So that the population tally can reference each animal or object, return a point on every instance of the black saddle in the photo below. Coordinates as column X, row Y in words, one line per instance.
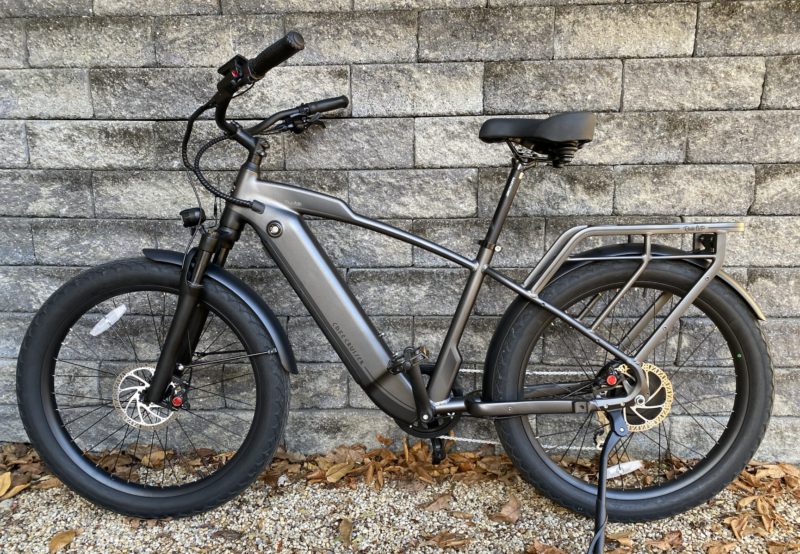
column 559, row 136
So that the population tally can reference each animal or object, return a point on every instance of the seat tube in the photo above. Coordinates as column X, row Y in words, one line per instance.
column 512, row 184
column 449, row 361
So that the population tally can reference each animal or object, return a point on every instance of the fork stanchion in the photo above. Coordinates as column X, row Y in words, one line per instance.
column 618, row 430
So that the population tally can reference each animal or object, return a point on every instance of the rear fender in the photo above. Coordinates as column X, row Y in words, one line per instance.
column 246, row 294
column 611, row 251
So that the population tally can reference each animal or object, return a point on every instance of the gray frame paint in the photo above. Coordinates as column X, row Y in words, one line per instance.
column 339, row 315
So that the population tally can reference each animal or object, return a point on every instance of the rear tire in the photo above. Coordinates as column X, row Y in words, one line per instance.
column 749, row 371
column 203, row 472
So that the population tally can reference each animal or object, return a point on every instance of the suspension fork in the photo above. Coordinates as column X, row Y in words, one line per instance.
column 188, row 321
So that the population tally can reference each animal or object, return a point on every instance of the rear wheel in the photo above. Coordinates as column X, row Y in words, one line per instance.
column 81, row 388
column 702, row 421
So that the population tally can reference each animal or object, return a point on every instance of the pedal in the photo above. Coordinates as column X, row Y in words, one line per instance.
column 437, row 452
column 403, row 361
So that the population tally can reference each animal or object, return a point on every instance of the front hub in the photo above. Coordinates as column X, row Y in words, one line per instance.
column 129, row 400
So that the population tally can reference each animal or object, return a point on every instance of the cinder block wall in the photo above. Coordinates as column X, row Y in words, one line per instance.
column 698, row 120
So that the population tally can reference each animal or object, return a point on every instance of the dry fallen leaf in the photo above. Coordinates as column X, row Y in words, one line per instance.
column 5, row 483
column 623, row 539
column 48, row 483
column 791, row 481
column 439, row 504
column 346, row 532
column 509, row 513
column 719, row 547
column 383, row 440
column 668, row 541
column 60, row 540
column 738, row 524
column 336, row 472
column 14, row 491
column 461, row 515
column 539, row 548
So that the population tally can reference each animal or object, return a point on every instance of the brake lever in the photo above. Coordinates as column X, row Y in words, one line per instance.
column 301, row 122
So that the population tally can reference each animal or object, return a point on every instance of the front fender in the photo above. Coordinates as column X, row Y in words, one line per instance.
column 248, row 296
column 611, row 251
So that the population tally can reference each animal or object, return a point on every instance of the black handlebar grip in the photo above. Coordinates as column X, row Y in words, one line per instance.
column 276, row 53
column 327, row 105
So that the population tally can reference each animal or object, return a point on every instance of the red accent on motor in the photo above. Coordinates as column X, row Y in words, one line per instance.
column 611, row 380
column 235, row 73
column 177, row 401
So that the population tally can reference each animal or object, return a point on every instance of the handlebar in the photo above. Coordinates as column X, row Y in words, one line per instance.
column 327, row 105
column 276, row 53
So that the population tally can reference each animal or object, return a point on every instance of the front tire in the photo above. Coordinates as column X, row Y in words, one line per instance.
column 723, row 391
column 76, row 393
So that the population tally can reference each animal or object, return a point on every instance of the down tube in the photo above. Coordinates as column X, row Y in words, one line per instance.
column 341, row 318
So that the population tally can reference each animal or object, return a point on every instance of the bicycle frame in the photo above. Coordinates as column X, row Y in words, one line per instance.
column 289, row 241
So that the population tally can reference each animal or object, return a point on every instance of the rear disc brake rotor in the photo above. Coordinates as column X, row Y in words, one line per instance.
column 647, row 412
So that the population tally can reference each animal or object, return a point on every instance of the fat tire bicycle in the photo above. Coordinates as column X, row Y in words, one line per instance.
column 159, row 386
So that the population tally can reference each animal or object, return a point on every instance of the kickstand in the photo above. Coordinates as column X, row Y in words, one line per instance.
column 438, row 453
column 618, row 430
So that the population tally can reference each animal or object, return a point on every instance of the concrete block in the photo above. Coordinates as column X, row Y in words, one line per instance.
column 748, row 28
column 168, row 136
column 407, row 291
column 90, row 42
column 684, row 189
column 155, row 7
column 777, row 291
column 355, row 37
column 317, row 431
column 398, row 90
column 636, row 138
column 332, row 183
column 546, row 191
column 414, row 193
column 210, row 41
column 780, row 85
column 25, row 289
column 481, row 34
column 281, row 6
column 351, row 246
column 46, row 193
column 749, row 137
column 140, row 93
column 91, row 144
column 629, row 31
column 777, row 192
column 353, row 144
column 694, row 84
column 13, row 144
column 12, row 43
column 320, row 386
column 51, row 8
column 288, row 87
column 12, row 330
column 16, row 242
column 553, row 86
column 522, row 240
column 90, row 242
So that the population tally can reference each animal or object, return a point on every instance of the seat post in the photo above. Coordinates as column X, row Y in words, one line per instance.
column 512, row 184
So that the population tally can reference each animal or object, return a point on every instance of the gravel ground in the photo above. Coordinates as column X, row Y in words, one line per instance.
column 296, row 517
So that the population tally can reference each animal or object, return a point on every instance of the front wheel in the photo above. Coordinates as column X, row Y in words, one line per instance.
column 710, row 381
column 86, row 361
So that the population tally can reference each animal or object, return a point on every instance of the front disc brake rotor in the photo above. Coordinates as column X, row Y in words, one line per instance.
column 128, row 398
column 646, row 413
